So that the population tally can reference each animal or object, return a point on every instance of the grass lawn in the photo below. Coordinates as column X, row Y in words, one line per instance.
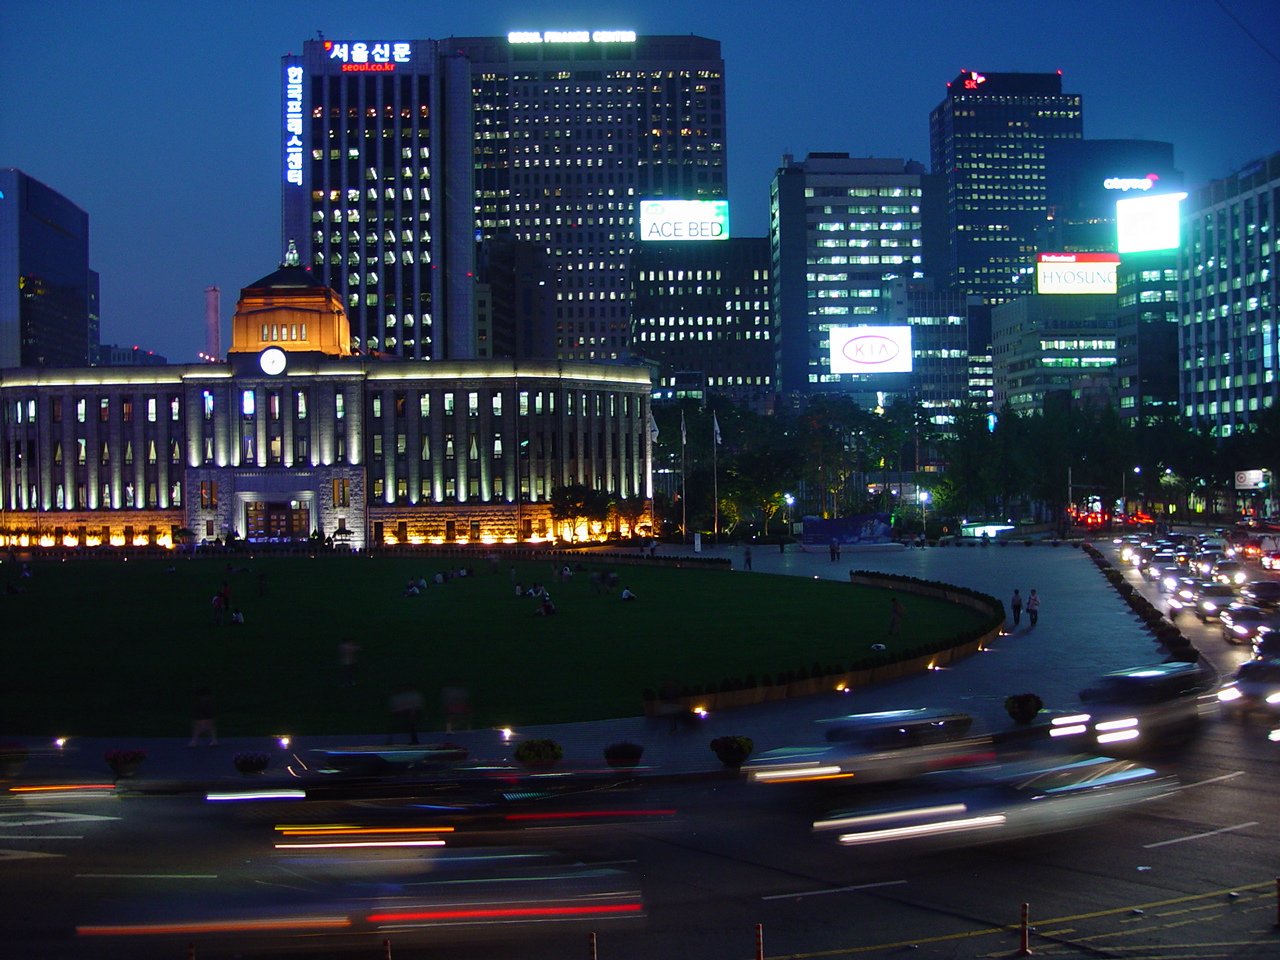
column 112, row 648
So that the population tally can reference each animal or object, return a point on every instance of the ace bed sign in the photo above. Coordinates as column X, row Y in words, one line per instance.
column 684, row 220
column 871, row 349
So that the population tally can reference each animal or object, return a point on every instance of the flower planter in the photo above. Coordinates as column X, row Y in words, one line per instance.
column 732, row 751
column 125, row 763
column 251, row 764
column 623, row 756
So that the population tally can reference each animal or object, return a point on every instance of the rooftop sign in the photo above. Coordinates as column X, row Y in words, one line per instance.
column 684, row 220
column 1076, row 272
column 572, row 36
column 871, row 349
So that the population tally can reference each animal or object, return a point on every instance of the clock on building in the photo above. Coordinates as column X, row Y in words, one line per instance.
column 272, row 361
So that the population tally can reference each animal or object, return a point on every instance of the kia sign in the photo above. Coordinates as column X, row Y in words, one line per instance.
column 1148, row 223
column 1076, row 272
column 870, row 349
column 684, row 220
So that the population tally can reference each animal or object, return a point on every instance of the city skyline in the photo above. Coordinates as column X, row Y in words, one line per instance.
column 162, row 124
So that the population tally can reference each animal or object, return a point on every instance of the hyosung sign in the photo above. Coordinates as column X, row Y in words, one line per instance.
column 1076, row 272
column 684, row 220
column 871, row 349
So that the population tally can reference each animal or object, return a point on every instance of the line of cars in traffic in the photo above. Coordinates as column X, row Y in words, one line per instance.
column 1210, row 577
column 928, row 777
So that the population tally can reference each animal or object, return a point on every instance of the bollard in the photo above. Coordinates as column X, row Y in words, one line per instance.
column 591, row 942
column 759, row 941
column 386, row 946
column 1024, row 945
column 191, row 948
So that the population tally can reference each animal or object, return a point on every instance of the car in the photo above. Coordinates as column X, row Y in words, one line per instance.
column 1182, row 596
column 1230, row 571
column 1241, row 622
column 1270, row 560
column 1160, row 558
column 1262, row 593
column 1255, row 688
column 877, row 747
column 1211, row 597
column 1205, row 560
column 1148, row 705
column 1165, row 576
column 1025, row 798
column 1266, row 644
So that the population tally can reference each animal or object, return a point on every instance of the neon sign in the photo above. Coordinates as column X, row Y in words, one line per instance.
column 684, row 219
column 293, row 125
column 973, row 79
column 376, row 57
column 572, row 36
column 1076, row 272
column 1130, row 183
column 870, row 350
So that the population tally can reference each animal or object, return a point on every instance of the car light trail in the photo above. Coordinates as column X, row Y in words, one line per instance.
column 505, row 913
column 924, row 830
column 587, row 814
column 215, row 926
column 869, row 818
column 257, row 795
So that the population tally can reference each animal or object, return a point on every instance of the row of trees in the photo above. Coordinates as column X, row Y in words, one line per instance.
column 837, row 459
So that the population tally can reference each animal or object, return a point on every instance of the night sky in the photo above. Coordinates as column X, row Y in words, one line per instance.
column 161, row 120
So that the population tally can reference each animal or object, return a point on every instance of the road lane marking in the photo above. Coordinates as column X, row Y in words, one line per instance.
column 818, row 893
column 1202, row 783
column 1200, row 836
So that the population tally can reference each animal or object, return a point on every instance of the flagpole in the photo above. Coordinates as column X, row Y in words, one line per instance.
column 684, row 500
column 715, row 478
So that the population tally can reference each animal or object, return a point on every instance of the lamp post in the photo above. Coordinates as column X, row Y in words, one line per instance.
column 1124, row 497
column 924, row 511
column 790, row 502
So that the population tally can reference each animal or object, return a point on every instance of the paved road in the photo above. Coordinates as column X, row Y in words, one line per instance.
column 1187, row 877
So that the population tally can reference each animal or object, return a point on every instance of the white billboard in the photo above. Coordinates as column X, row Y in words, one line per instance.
column 1076, row 272
column 1148, row 223
column 871, row 349
column 684, row 220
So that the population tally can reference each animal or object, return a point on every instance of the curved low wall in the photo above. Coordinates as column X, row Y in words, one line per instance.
column 749, row 696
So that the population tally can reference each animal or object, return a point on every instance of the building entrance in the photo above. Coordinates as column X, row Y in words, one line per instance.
column 272, row 521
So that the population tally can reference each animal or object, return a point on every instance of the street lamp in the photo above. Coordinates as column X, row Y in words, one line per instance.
column 924, row 511
column 790, row 502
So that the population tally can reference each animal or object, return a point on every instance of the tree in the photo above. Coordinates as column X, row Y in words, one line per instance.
column 574, row 503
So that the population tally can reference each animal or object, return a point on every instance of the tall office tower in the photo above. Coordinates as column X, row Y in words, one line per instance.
column 1230, row 337
column 400, row 156
column 703, row 316
column 1085, row 179
column 46, row 286
column 989, row 138
column 842, row 230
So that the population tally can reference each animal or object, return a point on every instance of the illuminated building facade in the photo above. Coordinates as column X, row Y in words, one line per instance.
column 1229, row 340
column 989, row 141
column 842, row 231
column 1045, row 345
column 48, row 294
column 294, row 437
column 703, row 316
column 1085, row 179
column 399, row 157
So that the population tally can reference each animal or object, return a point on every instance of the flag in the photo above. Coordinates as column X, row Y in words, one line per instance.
column 684, row 438
column 653, row 428
column 715, row 428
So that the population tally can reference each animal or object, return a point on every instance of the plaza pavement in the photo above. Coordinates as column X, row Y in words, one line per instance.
column 1085, row 629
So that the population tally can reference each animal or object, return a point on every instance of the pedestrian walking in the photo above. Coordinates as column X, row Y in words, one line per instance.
column 1016, row 606
column 746, row 559
column 896, row 611
column 203, row 722
column 1033, row 607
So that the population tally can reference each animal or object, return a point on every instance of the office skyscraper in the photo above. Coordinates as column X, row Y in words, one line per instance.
column 988, row 140
column 846, row 236
column 401, row 157
column 47, row 291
